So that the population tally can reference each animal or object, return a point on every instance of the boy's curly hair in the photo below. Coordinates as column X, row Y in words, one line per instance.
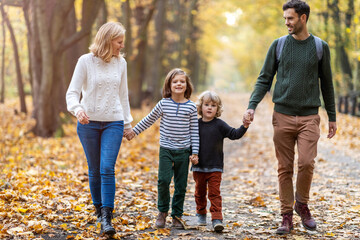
column 209, row 96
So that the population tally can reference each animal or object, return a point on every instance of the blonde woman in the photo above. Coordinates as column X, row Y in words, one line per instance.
column 102, row 113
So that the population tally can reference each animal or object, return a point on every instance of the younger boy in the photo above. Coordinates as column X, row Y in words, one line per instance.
column 207, row 170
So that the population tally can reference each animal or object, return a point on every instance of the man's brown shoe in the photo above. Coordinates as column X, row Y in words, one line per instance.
column 176, row 224
column 307, row 221
column 286, row 225
column 161, row 220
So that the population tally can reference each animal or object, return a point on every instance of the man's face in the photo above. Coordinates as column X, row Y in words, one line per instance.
column 294, row 23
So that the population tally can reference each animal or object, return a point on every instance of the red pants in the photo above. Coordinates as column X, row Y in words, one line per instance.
column 211, row 181
column 304, row 132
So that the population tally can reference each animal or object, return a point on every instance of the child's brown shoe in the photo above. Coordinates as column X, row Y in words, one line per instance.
column 161, row 220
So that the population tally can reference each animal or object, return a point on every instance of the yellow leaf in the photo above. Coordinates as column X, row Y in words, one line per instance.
column 77, row 208
column 322, row 198
column 64, row 226
column 236, row 224
column 22, row 210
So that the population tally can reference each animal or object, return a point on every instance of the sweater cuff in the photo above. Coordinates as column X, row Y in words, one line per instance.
column 77, row 110
column 332, row 118
column 252, row 106
column 127, row 126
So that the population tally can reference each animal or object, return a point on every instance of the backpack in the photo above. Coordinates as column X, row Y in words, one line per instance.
column 281, row 42
column 280, row 46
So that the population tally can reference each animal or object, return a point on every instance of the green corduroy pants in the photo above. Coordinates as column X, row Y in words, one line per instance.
column 173, row 163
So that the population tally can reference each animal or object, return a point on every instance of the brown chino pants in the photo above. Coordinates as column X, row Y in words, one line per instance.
column 288, row 131
column 212, row 182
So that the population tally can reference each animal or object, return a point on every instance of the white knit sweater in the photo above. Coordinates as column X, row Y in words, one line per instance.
column 103, row 87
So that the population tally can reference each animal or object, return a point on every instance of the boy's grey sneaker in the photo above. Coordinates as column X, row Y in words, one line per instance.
column 217, row 225
column 201, row 219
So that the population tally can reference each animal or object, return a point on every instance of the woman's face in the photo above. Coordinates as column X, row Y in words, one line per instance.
column 117, row 45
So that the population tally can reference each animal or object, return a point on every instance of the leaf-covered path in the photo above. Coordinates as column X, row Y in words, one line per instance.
column 44, row 191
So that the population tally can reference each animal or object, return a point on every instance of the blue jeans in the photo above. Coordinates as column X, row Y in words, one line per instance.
column 101, row 142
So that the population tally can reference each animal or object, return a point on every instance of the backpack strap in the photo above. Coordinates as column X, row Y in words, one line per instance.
column 280, row 46
column 319, row 47
column 281, row 42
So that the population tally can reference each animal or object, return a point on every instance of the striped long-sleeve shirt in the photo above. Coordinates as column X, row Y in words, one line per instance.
column 178, row 126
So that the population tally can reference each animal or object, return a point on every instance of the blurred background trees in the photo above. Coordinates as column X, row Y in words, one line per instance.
column 221, row 44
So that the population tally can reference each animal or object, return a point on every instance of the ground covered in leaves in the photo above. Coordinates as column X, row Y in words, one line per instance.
column 44, row 191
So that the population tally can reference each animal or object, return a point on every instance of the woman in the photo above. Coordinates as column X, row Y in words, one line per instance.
column 103, row 113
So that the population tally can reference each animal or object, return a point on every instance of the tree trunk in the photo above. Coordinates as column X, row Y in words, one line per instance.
column 69, row 58
column 157, row 58
column 193, row 58
column 341, row 57
column 2, row 93
column 103, row 15
column 20, row 85
column 126, row 21
column 139, row 63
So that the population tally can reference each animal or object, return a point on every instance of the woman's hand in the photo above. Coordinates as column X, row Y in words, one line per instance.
column 129, row 134
column 82, row 117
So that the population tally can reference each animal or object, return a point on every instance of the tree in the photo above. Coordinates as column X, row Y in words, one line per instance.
column 20, row 85
column 143, row 14
column 2, row 91
column 341, row 56
column 47, row 44
column 157, row 58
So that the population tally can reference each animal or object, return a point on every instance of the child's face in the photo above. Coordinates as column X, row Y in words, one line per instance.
column 178, row 85
column 209, row 110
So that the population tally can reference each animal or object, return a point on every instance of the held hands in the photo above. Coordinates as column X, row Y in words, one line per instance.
column 194, row 158
column 129, row 134
column 248, row 117
column 82, row 117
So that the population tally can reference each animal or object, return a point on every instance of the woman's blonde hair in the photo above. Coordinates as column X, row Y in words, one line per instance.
column 166, row 92
column 102, row 46
column 209, row 96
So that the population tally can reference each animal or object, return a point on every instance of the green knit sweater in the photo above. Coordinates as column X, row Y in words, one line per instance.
column 297, row 88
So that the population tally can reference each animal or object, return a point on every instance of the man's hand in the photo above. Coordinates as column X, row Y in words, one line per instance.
column 332, row 129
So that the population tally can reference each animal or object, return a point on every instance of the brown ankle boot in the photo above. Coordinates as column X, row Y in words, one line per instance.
column 307, row 221
column 176, row 223
column 286, row 225
column 161, row 220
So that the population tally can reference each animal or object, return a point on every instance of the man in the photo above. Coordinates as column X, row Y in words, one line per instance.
column 295, row 118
